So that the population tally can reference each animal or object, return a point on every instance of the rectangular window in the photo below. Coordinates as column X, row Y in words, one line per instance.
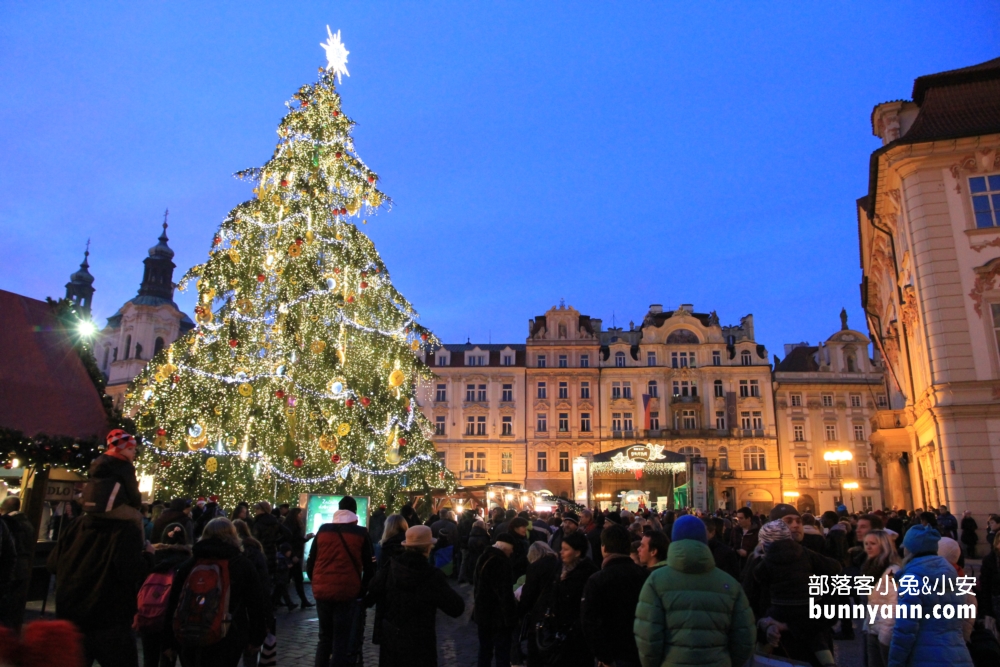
column 563, row 390
column 470, row 425
column 716, row 358
column 745, row 420
column 563, row 361
column 720, row 420
column 831, row 431
column 859, row 432
column 855, row 400
column 543, row 462
column 799, row 433
column 620, row 359
column 542, row 423
column 758, row 421
column 443, row 458
column 616, row 421
column 441, row 395
column 827, row 400
column 654, row 421
column 481, row 425
column 480, row 461
column 584, row 390
column 508, row 360
column 653, row 389
column 507, row 425
column 744, row 388
column 835, row 469
column 616, row 390
column 863, row 469
column 795, row 400
column 718, row 389
column 866, row 504
column 541, row 361
column 507, row 393
column 507, row 463
column 627, row 421
column 470, row 393
column 626, row 389
column 584, row 361
column 542, row 391
column 563, row 461
column 688, row 419
column 985, row 191
column 651, row 358
column 585, row 422
column 802, row 470
column 755, row 388
column 442, row 360
column 481, row 393
column 682, row 359
column 470, row 461
column 564, row 422
column 881, row 401
column 439, row 424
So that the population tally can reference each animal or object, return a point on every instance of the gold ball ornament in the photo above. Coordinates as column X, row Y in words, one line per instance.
column 294, row 250
column 233, row 255
column 318, row 346
column 212, row 464
column 328, row 443
column 194, row 444
column 415, row 346
column 397, row 378
column 245, row 389
column 244, row 306
column 343, row 429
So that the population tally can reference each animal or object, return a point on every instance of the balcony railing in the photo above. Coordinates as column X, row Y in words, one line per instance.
column 685, row 399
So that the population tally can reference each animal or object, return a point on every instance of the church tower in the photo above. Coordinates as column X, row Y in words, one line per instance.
column 158, row 276
column 80, row 288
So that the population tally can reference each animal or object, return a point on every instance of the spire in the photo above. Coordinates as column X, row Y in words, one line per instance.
column 158, row 276
column 80, row 288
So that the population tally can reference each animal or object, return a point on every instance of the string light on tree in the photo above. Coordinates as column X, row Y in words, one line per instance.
column 301, row 373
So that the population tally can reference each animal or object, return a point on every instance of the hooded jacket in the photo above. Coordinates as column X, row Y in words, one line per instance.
column 928, row 641
column 391, row 548
column 272, row 535
column 341, row 562
column 107, row 467
column 169, row 516
column 564, row 599
column 410, row 591
column 692, row 613
column 493, row 594
column 608, row 608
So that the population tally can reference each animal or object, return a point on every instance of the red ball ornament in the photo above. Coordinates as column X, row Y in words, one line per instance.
column 343, row 211
column 336, row 113
column 350, row 299
column 371, row 179
column 164, row 463
column 298, row 463
column 402, row 442
column 349, row 402
column 261, row 277
column 161, row 431
column 423, row 336
column 336, row 269
column 216, row 241
column 335, row 458
column 176, row 379
column 305, row 103
column 298, row 241
column 364, row 285
column 233, row 342
column 279, row 394
column 365, row 401
column 378, row 270
column 337, row 155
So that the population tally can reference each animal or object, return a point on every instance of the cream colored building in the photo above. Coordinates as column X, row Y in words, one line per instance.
column 825, row 397
column 930, row 254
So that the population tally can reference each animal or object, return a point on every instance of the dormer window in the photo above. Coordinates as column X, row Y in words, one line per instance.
column 745, row 358
column 620, row 359
column 507, row 360
column 475, row 360
column 442, row 360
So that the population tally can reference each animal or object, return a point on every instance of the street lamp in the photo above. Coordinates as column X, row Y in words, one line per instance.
column 838, row 456
column 850, row 486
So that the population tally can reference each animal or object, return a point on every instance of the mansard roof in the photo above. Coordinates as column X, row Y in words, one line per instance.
column 801, row 359
column 456, row 358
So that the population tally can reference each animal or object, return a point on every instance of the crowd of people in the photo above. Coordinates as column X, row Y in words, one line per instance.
column 203, row 585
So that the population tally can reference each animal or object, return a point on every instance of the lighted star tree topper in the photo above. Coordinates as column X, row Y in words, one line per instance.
column 301, row 372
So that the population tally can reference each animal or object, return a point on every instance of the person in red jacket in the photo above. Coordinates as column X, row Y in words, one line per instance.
column 341, row 564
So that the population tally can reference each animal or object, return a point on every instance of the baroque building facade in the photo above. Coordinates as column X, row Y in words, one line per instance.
column 929, row 232
column 825, row 398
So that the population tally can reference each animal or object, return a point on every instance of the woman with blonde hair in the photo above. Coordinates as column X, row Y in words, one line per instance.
column 881, row 564
column 220, row 541
column 392, row 539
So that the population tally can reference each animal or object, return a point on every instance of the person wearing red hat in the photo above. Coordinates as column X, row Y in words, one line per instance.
column 112, row 491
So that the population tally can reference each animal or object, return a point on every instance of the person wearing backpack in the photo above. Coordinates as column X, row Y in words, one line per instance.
column 151, row 616
column 341, row 564
column 216, row 606
column 112, row 489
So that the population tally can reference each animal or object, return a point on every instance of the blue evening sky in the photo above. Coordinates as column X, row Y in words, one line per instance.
column 612, row 154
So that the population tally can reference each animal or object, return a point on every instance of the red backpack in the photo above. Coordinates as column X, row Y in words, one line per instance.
column 202, row 617
column 153, row 597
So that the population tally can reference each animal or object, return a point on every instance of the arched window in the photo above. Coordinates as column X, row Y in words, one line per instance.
column 652, row 389
column 138, row 351
column 753, row 458
column 745, row 358
column 158, row 346
column 689, row 451
column 723, row 458
column 620, row 359
column 107, row 353
column 851, row 364
column 128, row 345
column 682, row 337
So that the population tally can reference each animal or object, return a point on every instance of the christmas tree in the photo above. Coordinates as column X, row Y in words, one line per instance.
column 301, row 373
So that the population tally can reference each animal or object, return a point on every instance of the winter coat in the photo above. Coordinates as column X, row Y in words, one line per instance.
column 410, row 591
column 989, row 584
column 99, row 565
column 336, row 554
column 465, row 528
column 107, row 467
column 969, row 536
column 519, row 559
column 296, row 539
column 781, row 577
column 883, row 592
column 725, row 558
column 692, row 613
column 493, row 591
column 272, row 535
column 608, row 607
column 246, row 601
column 24, row 536
column 168, row 557
column 928, row 641
column 376, row 526
column 557, row 540
column 564, row 599
column 391, row 548
column 948, row 525
column 8, row 558
column 814, row 540
column 169, row 516
column 540, row 577
column 479, row 541
column 443, row 528
column 744, row 540
column 836, row 545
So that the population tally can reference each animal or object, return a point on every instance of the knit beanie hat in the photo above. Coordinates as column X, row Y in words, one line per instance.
column 949, row 549
column 689, row 527
column 773, row 531
column 119, row 439
column 921, row 540
column 348, row 503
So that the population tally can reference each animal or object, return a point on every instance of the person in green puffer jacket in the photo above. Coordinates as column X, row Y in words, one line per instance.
column 690, row 612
